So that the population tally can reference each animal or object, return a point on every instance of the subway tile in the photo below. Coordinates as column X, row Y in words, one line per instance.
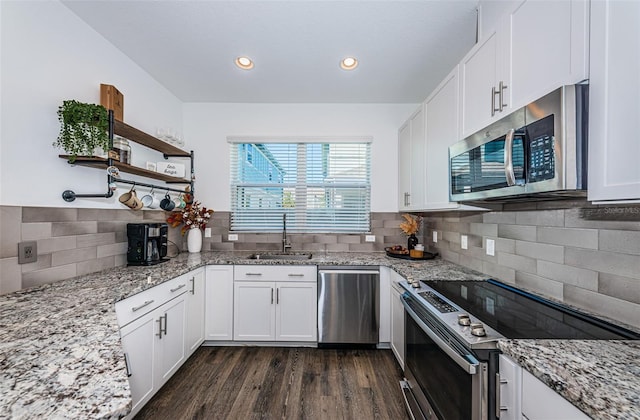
column 95, row 239
column 72, row 256
column 121, row 237
column 617, row 310
column 517, row 262
column 314, row 247
column 499, row 217
column 158, row 216
column 586, row 279
column 47, row 246
column 48, row 214
column 392, row 223
column 451, row 256
column 574, row 218
column 541, row 285
column 524, row 233
column 366, row 247
column 604, row 262
column 111, row 249
column 10, row 230
column 223, row 246
column 505, row 274
column 120, row 260
column 35, row 231
column 49, row 275
column 505, row 245
column 268, row 246
column 92, row 266
column 581, row 238
column 349, row 239
column 472, row 217
column 10, row 275
column 112, row 226
column 325, row 239
column 625, row 242
column 470, row 262
column 484, row 229
column 337, row 247
column 73, row 228
column 451, row 237
column 540, row 251
column 541, row 218
column 44, row 261
column 620, row 287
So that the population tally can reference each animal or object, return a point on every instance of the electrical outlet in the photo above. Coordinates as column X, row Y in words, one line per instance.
column 233, row 236
column 491, row 247
column 464, row 242
column 370, row 238
column 27, row 252
column 435, row 236
column 207, row 232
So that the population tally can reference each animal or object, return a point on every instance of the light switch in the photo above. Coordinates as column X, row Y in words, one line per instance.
column 233, row 236
column 464, row 243
column 370, row 238
column 435, row 236
column 491, row 247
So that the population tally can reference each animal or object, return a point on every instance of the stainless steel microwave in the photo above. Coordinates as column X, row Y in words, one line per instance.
column 537, row 152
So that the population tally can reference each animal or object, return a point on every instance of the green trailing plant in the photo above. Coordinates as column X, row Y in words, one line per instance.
column 83, row 128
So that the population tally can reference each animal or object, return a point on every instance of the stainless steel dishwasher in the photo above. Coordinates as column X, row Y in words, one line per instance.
column 348, row 305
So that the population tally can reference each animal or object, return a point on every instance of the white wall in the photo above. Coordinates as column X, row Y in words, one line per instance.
column 48, row 55
column 208, row 125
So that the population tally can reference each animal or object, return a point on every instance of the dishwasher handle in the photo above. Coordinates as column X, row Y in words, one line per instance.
column 348, row 272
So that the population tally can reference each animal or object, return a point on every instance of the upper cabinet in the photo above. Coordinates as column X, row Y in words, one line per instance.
column 411, row 162
column 614, row 104
column 537, row 47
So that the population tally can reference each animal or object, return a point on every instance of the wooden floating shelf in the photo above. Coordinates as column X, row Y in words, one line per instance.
column 101, row 163
column 140, row 137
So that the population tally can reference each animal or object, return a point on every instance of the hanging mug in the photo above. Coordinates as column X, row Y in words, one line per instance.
column 167, row 204
column 131, row 200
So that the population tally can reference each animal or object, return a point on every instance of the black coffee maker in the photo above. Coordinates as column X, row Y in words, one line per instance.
column 147, row 243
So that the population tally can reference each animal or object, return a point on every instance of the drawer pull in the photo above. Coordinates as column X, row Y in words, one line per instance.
column 175, row 289
column 137, row 308
column 127, row 365
column 253, row 274
column 296, row 275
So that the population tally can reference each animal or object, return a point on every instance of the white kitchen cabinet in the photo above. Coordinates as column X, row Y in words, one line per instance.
column 397, row 318
column 614, row 102
column 539, row 402
column 510, row 389
column 538, row 46
column 195, row 316
column 219, row 303
column 384, row 331
column 411, row 162
column 275, row 303
column 171, row 342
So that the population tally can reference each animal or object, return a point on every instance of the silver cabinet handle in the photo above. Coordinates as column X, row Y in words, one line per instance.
column 253, row 274
column 146, row 303
column 272, row 295
column 508, row 158
column 493, row 101
column 160, row 329
column 295, row 275
column 165, row 324
column 127, row 365
column 499, row 408
column 175, row 289
column 277, row 295
column 193, row 285
column 501, row 88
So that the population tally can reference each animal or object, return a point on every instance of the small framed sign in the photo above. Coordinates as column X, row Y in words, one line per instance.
column 171, row 169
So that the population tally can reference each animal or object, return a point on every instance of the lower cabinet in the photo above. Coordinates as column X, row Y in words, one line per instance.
column 195, row 318
column 279, row 305
column 397, row 319
column 219, row 303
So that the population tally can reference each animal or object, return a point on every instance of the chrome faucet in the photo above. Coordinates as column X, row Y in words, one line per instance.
column 285, row 242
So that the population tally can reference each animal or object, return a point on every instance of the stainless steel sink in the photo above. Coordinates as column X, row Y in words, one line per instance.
column 280, row 256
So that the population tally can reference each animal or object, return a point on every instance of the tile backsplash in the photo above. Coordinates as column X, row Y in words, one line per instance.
column 73, row 242
column 574, row 252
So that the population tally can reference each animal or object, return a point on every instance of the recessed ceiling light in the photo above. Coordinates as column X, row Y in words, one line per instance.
column 349, row 63
column 244, row 63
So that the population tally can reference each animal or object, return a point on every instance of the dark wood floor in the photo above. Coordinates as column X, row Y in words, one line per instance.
column 281, row 383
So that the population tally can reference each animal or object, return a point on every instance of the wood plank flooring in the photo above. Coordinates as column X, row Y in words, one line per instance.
column 281, row 383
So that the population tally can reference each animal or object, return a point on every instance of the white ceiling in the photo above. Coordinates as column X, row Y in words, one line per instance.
column 404, row 47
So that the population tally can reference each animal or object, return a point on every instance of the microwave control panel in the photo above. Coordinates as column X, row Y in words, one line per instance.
column 541, row 159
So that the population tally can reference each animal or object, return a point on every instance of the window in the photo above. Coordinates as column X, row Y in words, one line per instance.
column 321, row 187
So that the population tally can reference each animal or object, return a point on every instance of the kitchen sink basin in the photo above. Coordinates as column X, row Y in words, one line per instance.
column 280, row 256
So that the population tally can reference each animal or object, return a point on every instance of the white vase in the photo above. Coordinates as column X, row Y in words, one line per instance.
column 194, row 240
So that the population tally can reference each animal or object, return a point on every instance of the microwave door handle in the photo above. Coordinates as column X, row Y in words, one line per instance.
column 508, row 158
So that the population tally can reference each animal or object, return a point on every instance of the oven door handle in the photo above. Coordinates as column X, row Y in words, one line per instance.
column 470, row 368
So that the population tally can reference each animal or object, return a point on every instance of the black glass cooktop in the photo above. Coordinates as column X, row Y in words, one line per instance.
column 518, row 314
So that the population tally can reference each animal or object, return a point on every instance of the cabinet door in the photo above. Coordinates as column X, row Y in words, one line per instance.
column 614, row 107
column 479, row 70
column 384, row 333
column 219, row 303
column 195, row 311
column 397, row 325
column 138, row 339
column 510, row 391
column 170, row 345
column 418, row 177
column 296, row 311
column 404, row 166
column 539, row 402
column 254, row 311
column 548, row 47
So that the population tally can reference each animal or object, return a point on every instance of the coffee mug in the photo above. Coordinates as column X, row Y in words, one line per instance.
column 131, row 200
column 150, row 201
column 167, row 204
column 179, row 202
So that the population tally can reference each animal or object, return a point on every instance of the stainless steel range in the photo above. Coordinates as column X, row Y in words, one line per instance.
column 451, row 334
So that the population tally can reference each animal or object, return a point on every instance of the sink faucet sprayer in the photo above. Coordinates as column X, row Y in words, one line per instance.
column 285, row 242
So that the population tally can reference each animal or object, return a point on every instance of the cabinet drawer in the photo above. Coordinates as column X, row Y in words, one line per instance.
column 275, row 273
column 133, row 307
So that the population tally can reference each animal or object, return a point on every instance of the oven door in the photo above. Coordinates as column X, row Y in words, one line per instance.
column 447, row 382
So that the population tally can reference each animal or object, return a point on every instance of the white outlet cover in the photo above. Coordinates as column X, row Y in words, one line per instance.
column 370, row 238
column 435, row 236
column 233, row 236
column 491, row 247
column 207, row 232
column 464, row 243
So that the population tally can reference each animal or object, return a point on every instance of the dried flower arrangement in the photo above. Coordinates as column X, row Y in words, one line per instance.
column 193, row 216
column 412, row 225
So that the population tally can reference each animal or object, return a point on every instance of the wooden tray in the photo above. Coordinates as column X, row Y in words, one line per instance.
column 394, row 254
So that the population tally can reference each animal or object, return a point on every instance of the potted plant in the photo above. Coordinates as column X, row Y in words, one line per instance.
column 410, row 227
column 84, row 128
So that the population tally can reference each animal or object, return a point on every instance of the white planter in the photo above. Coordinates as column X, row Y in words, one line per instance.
column 194, row 240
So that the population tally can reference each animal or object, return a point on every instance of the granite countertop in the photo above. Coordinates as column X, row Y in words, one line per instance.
column 61, row 357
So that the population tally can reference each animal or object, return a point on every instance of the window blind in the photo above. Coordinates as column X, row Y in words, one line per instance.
column 321, row 187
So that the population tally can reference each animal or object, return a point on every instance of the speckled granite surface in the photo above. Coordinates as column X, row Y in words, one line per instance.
column 61, row 357
column 601, row 378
